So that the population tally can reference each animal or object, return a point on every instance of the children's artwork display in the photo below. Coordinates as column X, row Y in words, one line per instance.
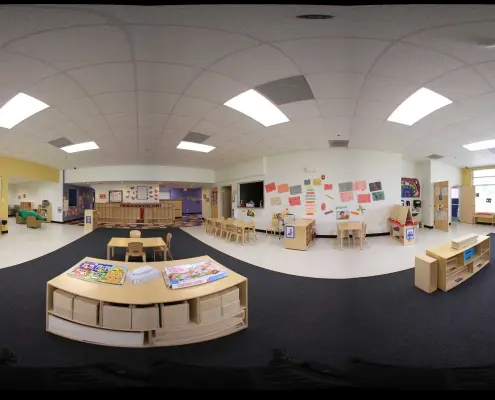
column 283, row 188
column 360, row 185
column 327, row 186
column 378, row 196
column 341, row 213
column 355, row 212
column 364, row 198
column 295, row 189
column 328, row 212
column 330, row 197
column 346, row 196
column 307, row 182
column 193, row 274
column 295, row 201
column 310, row 200
column 270, row 187
column 375, row 186
column 345, row 187
column 323, row 177
column 409, row 187
column 250, row 213
column 409, row 234
column 99, row 273
column 317, row 182
column 275, row 201
column 361, row 209
column 323, row 206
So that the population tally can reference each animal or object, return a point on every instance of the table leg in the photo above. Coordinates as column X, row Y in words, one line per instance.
column 108, row 252
column 342, row 241
column 361, row 239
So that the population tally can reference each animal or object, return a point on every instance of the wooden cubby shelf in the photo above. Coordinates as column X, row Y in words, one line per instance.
column 148, row 314
column 455, row 267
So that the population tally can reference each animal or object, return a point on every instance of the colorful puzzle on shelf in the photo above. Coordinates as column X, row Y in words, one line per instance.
column 186, row 275
column 99, row 273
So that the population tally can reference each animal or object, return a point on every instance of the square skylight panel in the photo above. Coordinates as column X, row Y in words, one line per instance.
column 483, row 145
column 19, row 108
column 75, row 148
column 417, row 106
column 203, row 148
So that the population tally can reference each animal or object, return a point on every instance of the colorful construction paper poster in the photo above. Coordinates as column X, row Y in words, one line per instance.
column 328, row 212
column 364, row 198
column 341, row 213
column 270, row 187
column 275, row 201
column 323, row 206
column 346, row 197
column 409, row 234
column 330, row 197
column 250, row 213
column 295, row 201
column 378, row 196
column 295, row 189
column 355, row 212
column 283, row 188
column 361, row 209
column 310, row 200
column 409, row 187
column 290, row 232
column 375, row 186
column 317, row 182
column 307, row 182
column 327, row 186
column 323, row 177
column 360, row 185
column 345, row 187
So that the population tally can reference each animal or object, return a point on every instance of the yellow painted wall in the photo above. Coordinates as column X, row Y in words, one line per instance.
column 24, row 169
column 467, row 174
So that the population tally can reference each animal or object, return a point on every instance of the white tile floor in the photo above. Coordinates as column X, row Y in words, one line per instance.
column 22, row 244
column 382, row 255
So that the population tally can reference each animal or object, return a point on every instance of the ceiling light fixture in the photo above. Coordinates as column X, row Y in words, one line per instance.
column 485, row 144
column 257, row 107
column 417, row 106
column 75, row 148
column 203, row 148
column 19, row 108
column 315, row 16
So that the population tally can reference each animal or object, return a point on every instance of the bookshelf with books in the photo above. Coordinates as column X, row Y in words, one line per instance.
column 45, row 212
column 148, row 314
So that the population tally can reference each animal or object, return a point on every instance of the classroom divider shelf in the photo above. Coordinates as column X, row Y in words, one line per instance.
column 146, row 315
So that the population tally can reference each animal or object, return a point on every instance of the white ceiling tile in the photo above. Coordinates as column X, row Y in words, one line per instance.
column 169, row 44
column 55, row 90
column 301, row 109
column 245, row 125
column 152, row 120
column 487, row 70
column 414, row 64
column 257, row 65
column 79, row 109
column 193, row 107
column 210, row 128
column 214, row 87
column 162, row 77
column 120, row 120
column 333, row 54
column 156, row 102
column 118, row 102
column 104, row 78
column 181, row 124
column 385, row 89
column 374, row 109
column 335, row 84
column 76, row 47
column 330, row 108
column 223, row 116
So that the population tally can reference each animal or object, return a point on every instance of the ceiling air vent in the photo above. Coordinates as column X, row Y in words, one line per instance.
column 434, row 157
column 195, row 137
column 338, row 143
column 60, row 142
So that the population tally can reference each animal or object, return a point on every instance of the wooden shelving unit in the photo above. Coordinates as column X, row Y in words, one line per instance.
column 45, row 212
column 148, row 314
column 303, row 234
column 453, row 266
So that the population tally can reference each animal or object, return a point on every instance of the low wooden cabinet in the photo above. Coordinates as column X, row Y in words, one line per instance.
column 148, row 314
column 298, row 234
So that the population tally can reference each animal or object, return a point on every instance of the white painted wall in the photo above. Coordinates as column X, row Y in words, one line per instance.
column 103, row 188
column 36, row 192
column 338, row 165
column 144, row 173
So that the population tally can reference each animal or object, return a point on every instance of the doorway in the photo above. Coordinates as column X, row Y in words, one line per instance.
column 441, row 205
column 227, row 201
column 455, row 203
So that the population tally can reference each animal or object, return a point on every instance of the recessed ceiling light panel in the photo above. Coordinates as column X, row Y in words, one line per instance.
column 203, row 148
column 315, row 16
column 417, row 106
column 19, row 108
column 485, row 144
column 257, row 107
column 75, row 148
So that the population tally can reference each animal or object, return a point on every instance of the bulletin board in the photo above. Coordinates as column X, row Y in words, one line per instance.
column 115, row 196
column 142, row 193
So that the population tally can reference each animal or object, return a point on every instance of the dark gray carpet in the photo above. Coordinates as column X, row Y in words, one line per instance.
column 382, row 319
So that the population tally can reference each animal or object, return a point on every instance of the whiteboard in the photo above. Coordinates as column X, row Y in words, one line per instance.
column 142, row 193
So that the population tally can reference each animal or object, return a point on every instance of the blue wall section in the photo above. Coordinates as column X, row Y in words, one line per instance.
column 85, row 198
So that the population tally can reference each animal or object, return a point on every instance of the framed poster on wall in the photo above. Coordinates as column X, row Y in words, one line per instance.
column 115, row 196
column 142, row 193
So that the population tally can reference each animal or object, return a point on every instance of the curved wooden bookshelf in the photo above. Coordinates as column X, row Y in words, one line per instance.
column 148, row 314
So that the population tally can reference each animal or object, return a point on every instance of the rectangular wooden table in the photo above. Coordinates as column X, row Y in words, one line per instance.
column 124, row 242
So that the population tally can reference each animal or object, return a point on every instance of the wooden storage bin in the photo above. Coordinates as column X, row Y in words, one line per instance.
column 116, row 317
column 86, row 310
column 175, row 315
column 230, row 295
column 425, row 273
column 145, row 318
column 211, row 314
column 63, row 303
column 231, row 308
column 209, row 302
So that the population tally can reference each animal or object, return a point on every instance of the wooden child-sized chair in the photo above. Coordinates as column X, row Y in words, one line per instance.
column 341, row 235
column 32, row 222
column 356, row 234
column 274, row 227
column 135, row 249
column 135, row 234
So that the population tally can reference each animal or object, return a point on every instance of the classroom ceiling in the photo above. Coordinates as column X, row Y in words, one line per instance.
column 136, row 80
